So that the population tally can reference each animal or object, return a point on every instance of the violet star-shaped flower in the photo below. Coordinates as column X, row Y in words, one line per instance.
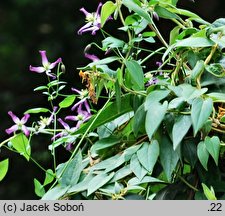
column 47, row 66
column 82, row 115
column 93, row 21
column 83, row 98
column 19, row 124
column 64, row 132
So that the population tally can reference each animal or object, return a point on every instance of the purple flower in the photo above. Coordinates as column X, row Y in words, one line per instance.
column 19, row 124
column 152, row 81
column 82, row 115
column 92, row 57
column 93, row 21
column 47, row 66
column 65, row 132
column 83, row 98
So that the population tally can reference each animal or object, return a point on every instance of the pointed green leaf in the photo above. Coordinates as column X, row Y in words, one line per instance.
column 213, row 147
column 164, row 13
column 55, row 193
column 107, row 9
column 49, row 177
column 217, row 97
column 4, row 165
column 209, row 193
column 137, row 168
column 132, row 5
column 180, row 129
column 98, row 181
column 139, row 119
column 148, row 155
column 168, row 157
column 136, row 73
column 22, row 145
column 72, row 172
column 195, row 42
column 37, row 110
column 203, row 154
column 200, row 112
column 38, row 188
column 155, row 115
column 68, row 101
column 121, row 173
column 146, row 179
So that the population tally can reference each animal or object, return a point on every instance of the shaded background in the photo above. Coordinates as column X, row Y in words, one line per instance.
column 27, row 26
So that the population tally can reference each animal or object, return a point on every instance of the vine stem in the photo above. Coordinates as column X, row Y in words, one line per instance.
column 187, row 183
column 80, row 142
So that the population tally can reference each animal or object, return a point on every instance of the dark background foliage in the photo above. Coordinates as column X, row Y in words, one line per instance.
column 27, row 26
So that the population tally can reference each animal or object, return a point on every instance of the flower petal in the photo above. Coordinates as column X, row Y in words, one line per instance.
column 84, row 11
column 91, row 57
column 72, row 118
column 78, row 103
column 37, row 69
column 87, row 106
column 98, row 8
column 14, row 117
column 25, row 130
column 44, row 58
column 82, row 29
column 52, row 65
column 25, row 118
column 76, row 90
column 64, row 124
column 11, row 129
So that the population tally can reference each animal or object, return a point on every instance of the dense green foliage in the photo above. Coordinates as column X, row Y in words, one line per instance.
column 159, row 131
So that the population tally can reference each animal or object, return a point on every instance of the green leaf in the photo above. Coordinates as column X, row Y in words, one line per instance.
column 216, row 69
column 49, row 177
column 195, row 42
column 38, row 188
column 155, row 115
column 217, row 97
column 22, row 145
column 72, row 172
column 55, row 193
column 4, row 165
column 103, row 61
column 139, row 119
column 121, row 173
column 164, row 13
column 137, row 168
column 104, row 143
column 136, row 73
column 203, row 154
column 146, row 179
column 68, row 101
column 168, row 157
column 107, row 9
column 98, row 181
column 189, row 150
column 213, row 146
column 130, row 4
column 180, row 129
column 209, row 193
column 200, row 112
column 37, row 110
column 155, row 96
column 148, row 155
column 111, row 42
column 197, row 71
column 108, row 114
column 40, row 88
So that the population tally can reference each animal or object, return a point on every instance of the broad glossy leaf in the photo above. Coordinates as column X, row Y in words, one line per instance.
column 121, row 173
column 107, row 9
column 213, row 146
column 136, row 73
column 200, row 112
column 164, row 13
column 155, row 96
column 137, row 168
column 72, row 172
column 203, row 154
column 37, row 110
column 111, row 42
column 148, row 155
column 22, row 145
column 168, row 157
column 139, row 119
column 68, row 101
column 155, row 115
column 98, row 181
column 189, row 150
column 180, row 129
column 55, row 193
column 104, row 143
column 130, row 4
column 195, row 42
column 4, row 165
column 146, row 179
column 217, row 97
